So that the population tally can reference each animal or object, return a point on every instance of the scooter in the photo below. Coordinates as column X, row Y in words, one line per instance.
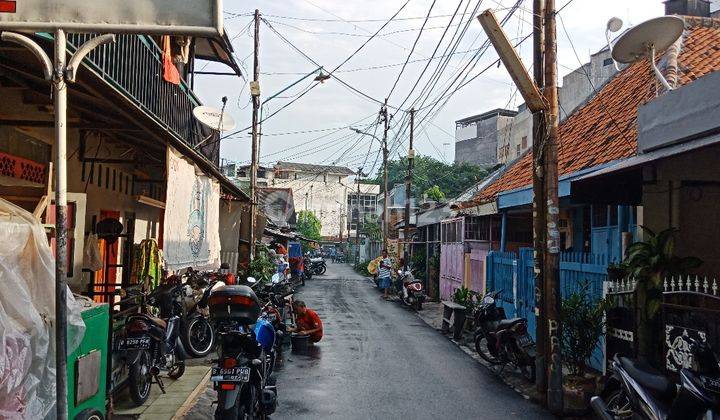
column 410, row 290
column 500, row 341
column 316, row 265
column 638, row 391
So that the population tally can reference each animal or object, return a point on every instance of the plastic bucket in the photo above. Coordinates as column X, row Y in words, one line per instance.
column 300, row 343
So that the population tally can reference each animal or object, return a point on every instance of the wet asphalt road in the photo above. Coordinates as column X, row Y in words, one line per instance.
column 378, row 360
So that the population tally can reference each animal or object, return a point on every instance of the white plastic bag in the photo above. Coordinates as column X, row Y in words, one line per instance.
column 92, row 259
column 27, row 317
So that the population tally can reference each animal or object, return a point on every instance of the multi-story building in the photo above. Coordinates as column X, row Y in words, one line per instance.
column 240, row 174
column 361, row 207
column 578, row 87
column 322, row 189
column 477, row 137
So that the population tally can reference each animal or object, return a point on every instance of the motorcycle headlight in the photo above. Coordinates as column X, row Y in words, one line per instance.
column 488, row 300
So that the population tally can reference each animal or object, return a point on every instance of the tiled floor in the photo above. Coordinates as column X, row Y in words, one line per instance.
column 163, row 406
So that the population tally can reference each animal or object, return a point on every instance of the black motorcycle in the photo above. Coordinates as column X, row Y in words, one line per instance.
column 316, row 265
column 198, row 335
column 502, row 341
column 240, row 374
column 638, row 391
column 151, row 345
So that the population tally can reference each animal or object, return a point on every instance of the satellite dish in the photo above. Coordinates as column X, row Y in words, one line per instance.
column 647, row 39
column 214, row 118
column 657, row 34
column 614, row 24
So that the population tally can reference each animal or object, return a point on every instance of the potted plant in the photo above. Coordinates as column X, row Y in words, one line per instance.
column 583, row 324
column 465, row 297
column 649, row 262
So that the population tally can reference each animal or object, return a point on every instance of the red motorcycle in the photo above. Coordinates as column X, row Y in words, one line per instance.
column 410, row 291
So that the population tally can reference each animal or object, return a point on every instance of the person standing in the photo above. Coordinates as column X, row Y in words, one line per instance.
column 385, row 273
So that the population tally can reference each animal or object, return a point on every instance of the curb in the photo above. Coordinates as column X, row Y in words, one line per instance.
column 191, row 399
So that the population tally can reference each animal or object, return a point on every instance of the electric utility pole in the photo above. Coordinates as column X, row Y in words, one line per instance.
column 357, row 224
column 255, row 92
column 408, row 190
column 384, row 116
column 552, row 239
column 538, row 135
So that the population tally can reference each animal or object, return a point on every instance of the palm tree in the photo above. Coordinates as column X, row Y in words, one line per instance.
column 650, row 261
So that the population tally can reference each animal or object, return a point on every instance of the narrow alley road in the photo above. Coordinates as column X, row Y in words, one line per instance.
column 379, row 360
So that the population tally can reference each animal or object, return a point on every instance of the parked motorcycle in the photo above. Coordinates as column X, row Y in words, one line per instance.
column 411, row 290
column 240, row 374
column 501, row 341
column 198, row 335
column 638, row 391
column 316, row 265
column 151, row 345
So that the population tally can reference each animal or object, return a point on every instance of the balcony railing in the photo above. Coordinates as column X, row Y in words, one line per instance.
column 133, row 66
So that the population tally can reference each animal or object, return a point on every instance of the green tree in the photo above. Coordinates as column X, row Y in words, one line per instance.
column 435, row 193
column 372, row 227
column 308, row 225
column 427, row 172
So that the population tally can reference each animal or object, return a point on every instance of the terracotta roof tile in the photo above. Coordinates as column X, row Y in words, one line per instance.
column 605, row 129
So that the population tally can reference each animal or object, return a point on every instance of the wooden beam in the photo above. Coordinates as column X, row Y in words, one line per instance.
column 511, row 60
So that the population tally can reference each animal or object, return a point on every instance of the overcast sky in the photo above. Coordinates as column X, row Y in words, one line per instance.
column 325, row 31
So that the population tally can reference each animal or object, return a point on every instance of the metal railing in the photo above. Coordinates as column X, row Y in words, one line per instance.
column 133, row 66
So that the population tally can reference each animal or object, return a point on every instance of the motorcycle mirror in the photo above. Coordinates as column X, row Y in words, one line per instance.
column 275, row 278
column 251, row 280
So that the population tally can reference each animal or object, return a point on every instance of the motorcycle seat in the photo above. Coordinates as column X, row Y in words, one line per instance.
column 507, row 323
column 649, row 378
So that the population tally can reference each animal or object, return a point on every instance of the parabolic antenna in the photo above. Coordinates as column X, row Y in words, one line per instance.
column 214, row 118
column 655, row 34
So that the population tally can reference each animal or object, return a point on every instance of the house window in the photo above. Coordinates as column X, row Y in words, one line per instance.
column 599, row 216
column 607, row 62
column 524, row 142
column 517, row 150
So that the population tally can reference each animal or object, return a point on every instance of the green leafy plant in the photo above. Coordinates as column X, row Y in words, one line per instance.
column 465, row 297
column 361, row 268
column 435, row 193
column 309, row 226
column 649, row 261
column 417, row 263
column 583, row 323
column 262, row 267
column 372, row 228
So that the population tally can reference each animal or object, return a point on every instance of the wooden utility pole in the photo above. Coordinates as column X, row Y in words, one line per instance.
column 538, row 135
column 255, row 92
column 552, row 239
column 384, row 116
column 357, row 224
column 408, row 190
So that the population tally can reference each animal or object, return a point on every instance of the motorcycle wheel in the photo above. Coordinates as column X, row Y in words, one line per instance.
column 250, row 408
column 617, row 403
column 199, row 337
column 89, row 414
column 323, row 269
column 483, row 349
column 139, row 379
column 418, row 305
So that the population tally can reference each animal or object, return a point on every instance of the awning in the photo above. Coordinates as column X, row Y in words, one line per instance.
column 621, row 181
column 217, row 49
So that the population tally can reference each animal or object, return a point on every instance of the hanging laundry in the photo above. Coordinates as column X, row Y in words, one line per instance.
column 170, row 72
column 147, row 262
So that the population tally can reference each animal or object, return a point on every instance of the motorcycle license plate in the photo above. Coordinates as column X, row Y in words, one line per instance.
column 524, row 341
column 135, row 343
column 236, row 374
column 711, row 384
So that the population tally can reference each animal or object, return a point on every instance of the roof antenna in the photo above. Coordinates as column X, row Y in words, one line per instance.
column 613, row 25
column 647, row 39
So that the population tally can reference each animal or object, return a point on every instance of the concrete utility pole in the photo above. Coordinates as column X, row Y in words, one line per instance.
column 255, row 92
column 357, row 225
column 408, row 190
column 538, row 135
column 552, row 250
column 384, row 115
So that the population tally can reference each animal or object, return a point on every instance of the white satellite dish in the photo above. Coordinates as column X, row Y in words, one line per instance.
column 214, row 118
column 647, row 39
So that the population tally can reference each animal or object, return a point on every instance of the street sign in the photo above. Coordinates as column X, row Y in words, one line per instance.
column 167, row 17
